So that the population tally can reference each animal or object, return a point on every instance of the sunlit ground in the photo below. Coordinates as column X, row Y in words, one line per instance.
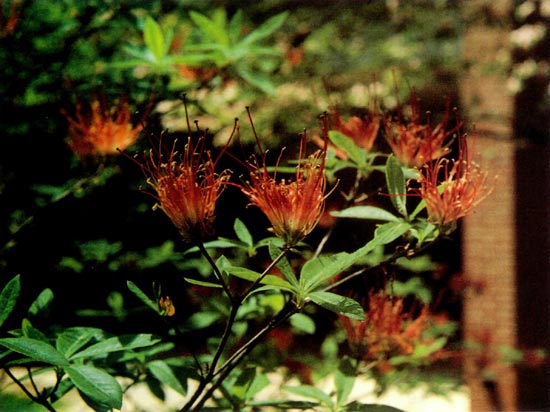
column 138, row 398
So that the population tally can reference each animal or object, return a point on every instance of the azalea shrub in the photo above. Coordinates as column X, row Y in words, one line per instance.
column 205, row 259
column 243, row 289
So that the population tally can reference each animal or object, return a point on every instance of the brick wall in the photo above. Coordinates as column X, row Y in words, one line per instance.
column 489, row 264
column 489, row 239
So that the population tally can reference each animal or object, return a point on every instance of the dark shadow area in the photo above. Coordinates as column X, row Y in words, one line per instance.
column 533, row 271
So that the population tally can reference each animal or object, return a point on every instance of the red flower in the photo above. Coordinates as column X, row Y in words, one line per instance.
column 293, row 207
column 98, row 130
column 389, row 329
column 186, row 187
column 463, row 187
column 363, row 131
column 414, row 143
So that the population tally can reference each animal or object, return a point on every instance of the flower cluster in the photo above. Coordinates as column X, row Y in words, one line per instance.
column 98, row 130
column 389, row 329
column 363, row 131
column 293, row 207
column 186, row 187
column 414, row 143
column 452, row 188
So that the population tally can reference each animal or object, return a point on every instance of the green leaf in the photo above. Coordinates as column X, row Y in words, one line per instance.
column 260, row 382
column 338, row 304
column 72, row 339
column 417, row 264
column 8, row 298
column 211, row 29
column 68, row 262
column 142, row 296
column 266, row 29
column 97, row 385
column 365, row 212
column 240, row 388
column 388, row 232
column 201, row 320
column 42, row 302
column 219, row 17
column 158, row 255
column 257, row 79
column 316, row 272
column 283, row 404
column 344, row 380
column 36, row 350
column 154, row 38
column 115, row 344
column 311, row 392
column 302, row 323
column 235, row 29
column 99, row 250
column 397, row 185
column 283, row 265
column 30, row 331
column 365, row 407
column 422, row 351
column 202, row 283
column 419, row 208
column 510, row 356
column 215, row 244
column 252, row 276
column 222, row 263
column 355, row 153
column 424, row 232
column 243, row 233
column 164, row 373
column 413, row 286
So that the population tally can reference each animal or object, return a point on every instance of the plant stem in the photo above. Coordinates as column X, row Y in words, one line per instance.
column 244, row 350
column 265, row 272
column 323, row 242
column 235, row 305
column 288, row 310
column 396, row 255
column 36, row 399
column 216, row 270
column 31, row 379
column 345, row 279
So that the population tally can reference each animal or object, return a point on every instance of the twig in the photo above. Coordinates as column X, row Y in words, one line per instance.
column 36, row 399
column 216, row 270
column 244, row 350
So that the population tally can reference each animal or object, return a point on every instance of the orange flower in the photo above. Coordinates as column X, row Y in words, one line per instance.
column 463, row 187
column 202, row 74
column 293, row 207
column 167, row 306
column 363, row 131
column 388, row 329
column 186, row 187
column 100, row 131
column 415, row 144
